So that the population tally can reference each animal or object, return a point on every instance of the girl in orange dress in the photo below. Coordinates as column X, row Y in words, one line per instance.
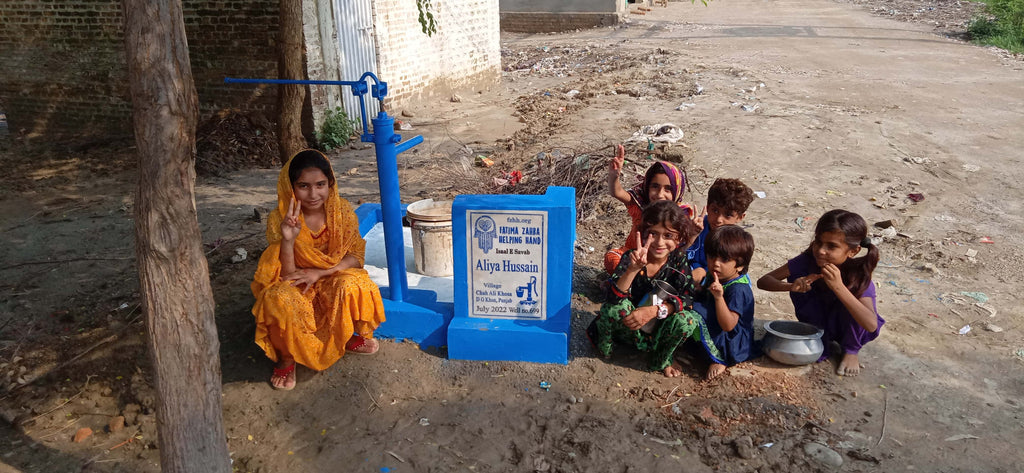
column 314, row 300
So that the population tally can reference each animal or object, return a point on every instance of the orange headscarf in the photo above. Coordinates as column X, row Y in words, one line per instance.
column 341, row 232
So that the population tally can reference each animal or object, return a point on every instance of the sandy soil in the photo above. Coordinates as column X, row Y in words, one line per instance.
column 847, row 109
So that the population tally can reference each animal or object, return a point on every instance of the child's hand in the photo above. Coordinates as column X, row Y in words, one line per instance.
column 716, row 288
column 833, row 278
column 639, row 317
column 290, row 223
column 615, row 165
column 638, row 258
column 803, row 284
column 304, row 276
column 698, row 220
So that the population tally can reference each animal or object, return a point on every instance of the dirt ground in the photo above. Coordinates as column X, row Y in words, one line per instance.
column 817, row 104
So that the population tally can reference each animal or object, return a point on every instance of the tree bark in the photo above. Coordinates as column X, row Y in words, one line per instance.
column 289, row 66
column 173, row 276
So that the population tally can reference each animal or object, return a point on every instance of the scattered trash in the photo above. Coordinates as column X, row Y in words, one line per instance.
column 978, row 296
column 456, row 98
column 971, row 253
column 945, row 218
column 889, row 233
column 834, row 192
column 572, row 93
column 987, row 308
column 800, row 221
column 768, row 445
column 799, row 204
column 659, row 132
column 915, row 197
column 993, row 328
column 900, row 289
column 886, row 223
column 484, row 161
column 972, row 167
column 760, row 194
column 964, row 330
column 933, row 315
column 917, row 160
column 1019, row 353
column 750, row 108
column 240, row 255
column 699, row 90
column 403, row 125
column 684, row 106
column 545, row 385
column 424, row 421
column 961, row 437
column 986, row 240
column 123, row 306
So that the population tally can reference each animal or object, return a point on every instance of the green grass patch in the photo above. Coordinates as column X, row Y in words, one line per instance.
column 1003, row 25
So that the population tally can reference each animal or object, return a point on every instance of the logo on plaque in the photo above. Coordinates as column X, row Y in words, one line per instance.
column 485, row 233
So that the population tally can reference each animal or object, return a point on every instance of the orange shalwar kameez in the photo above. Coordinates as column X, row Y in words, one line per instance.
column 313, row 327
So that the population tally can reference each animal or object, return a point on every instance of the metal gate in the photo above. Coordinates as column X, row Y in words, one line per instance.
column 356, row 51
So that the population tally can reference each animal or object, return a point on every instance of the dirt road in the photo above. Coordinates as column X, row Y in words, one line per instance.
column 817, row 104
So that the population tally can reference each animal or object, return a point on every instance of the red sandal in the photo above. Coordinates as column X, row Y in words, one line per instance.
column 284, row 373
column 361, row 345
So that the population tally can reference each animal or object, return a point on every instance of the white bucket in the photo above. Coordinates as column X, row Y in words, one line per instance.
column 431, row 227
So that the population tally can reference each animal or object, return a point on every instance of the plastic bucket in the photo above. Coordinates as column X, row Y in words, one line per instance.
column 431, row 227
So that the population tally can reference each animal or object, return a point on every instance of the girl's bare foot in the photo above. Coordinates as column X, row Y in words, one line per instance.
column 714, row 371
column 673, row 370
column 284, row 375
column 849, row 365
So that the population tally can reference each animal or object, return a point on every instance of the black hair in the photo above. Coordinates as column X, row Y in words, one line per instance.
column 856, row 271
column 669, row 214
column 306, row 159
column 730, row 243
column 731, row 195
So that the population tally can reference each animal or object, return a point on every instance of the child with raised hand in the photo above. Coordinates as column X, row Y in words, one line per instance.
column 727, row 306
column 727, row 204
column 661, row 327
column 662, row 181
column 831, row 288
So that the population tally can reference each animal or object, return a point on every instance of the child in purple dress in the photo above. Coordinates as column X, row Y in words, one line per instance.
column 831, row 288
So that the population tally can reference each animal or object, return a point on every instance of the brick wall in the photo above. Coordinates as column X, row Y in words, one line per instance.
column 544, row 16
column 464, row 53
column 62, row 70
column 533, row 22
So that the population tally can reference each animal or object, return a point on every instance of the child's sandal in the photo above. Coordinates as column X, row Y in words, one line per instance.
column 283, row 373
column 362, row 346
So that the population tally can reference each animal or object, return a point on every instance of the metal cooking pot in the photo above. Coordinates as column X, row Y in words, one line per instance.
column 792, row 343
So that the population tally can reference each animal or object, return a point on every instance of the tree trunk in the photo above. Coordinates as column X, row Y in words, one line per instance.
column 173, row 277
column 289, row 66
